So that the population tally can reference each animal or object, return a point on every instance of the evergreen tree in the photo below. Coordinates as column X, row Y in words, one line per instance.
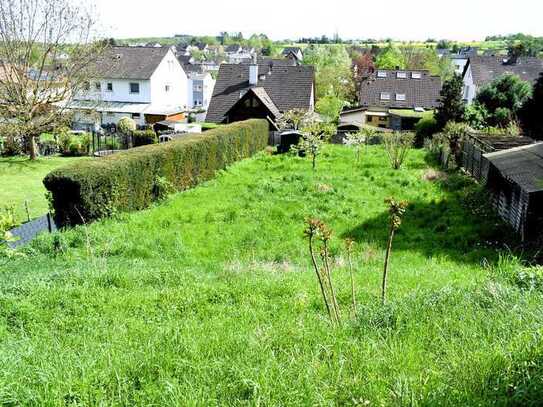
column 452, row 106
column 530, row 115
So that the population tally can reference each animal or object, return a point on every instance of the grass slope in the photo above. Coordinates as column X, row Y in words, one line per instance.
column 21, row 180
column 209, row 298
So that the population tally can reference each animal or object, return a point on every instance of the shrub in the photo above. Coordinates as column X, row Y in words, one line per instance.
column 144, row 137
column 126, row 125
column 126, row 181
column 425, row 129
column 397, row 146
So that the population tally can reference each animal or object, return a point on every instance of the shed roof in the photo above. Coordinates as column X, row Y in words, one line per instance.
column 521, row 165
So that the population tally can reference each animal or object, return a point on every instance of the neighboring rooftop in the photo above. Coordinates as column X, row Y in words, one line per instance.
column 287, row 87
column 487, row 68
column 130, row 62
column 400, row 89
column 232, row 48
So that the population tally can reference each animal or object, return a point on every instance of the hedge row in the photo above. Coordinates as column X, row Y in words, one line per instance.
column 131, row 180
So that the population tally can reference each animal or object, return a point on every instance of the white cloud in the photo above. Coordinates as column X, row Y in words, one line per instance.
column 280, row 19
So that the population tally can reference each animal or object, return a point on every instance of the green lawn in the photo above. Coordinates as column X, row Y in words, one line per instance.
column 21, row 180
column 208, row 298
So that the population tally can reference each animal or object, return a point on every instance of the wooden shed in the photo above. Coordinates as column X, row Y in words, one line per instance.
column 515, row 180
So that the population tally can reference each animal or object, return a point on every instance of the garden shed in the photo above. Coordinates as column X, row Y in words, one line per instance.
column 515, row 180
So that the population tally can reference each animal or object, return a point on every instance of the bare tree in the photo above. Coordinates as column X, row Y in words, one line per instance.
column 47, row 50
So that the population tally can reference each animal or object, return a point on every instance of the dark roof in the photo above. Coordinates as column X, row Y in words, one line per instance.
column 277, row 61
column 184, row 59
column 200, row 45
column 130, row 62
column 264, row 98
column 487, row 68
column 423, row 92
column 522, row 166
column 294, row 50
column 288, row 87
column 232, row 48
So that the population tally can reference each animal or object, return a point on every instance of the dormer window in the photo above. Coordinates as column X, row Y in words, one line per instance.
column 385, row 96
column 381, row 74
column 416, row 75
column 401, row 75
column 134, row 87
column 400, row 96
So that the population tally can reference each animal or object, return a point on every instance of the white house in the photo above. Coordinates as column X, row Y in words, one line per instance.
column 200, row 90
column 147, row 84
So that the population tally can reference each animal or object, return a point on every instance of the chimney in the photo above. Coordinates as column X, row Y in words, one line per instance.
column 253, row 74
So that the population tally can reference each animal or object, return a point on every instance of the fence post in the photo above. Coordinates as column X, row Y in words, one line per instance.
column 49, row 223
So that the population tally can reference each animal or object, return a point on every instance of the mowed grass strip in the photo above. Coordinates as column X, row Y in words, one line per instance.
column 21, row 180
column 209, row 298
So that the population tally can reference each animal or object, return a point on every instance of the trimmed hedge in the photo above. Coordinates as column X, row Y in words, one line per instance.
column 130, row 180
column 144, row 137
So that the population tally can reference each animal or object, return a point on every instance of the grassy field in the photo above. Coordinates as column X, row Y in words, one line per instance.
column 208, row 298
column 21, row 180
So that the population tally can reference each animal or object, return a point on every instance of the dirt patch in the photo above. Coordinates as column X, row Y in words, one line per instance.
column 434, row 175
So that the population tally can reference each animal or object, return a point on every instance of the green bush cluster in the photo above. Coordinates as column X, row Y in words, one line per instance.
column 74, row 145
column 144, row 137
column 126, row 181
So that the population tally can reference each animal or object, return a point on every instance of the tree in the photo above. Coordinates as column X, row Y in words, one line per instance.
column 530, row 115
column 363, row 65
column 330, row 106
column 46, row 51
column 451, row 106
column 390, row 58
column 502, row 99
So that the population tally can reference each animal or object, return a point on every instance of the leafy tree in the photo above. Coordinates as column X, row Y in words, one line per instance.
column 475, row 116
column 531, row 114
column 46, row 57
column 363, row 65
column 126, row 125
column 330, row 106
column 502, row 99
column 451, row 107
column 443, row 44
column 390, row 58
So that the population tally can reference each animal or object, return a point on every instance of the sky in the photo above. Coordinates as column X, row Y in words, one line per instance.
column 465, row 20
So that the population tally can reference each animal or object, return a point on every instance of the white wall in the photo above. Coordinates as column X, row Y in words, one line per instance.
column 470, row 90
column 169, row 72
column 120, row 93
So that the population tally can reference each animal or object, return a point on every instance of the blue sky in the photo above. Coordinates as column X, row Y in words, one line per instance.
column 280, row 19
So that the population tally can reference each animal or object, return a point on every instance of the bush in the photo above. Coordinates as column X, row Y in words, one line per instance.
column 425, row 129
column 12, row 146
column 126, row 125
column 397, row 145
column 126, row 181
column 144, row 137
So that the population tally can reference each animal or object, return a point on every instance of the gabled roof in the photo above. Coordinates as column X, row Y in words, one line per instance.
column 277, row 61
column 522, row 166
column 288, row 87
column 485, row 69
column 232, row 48
column 261, row 94
column 293, row 50
column 130, row 62
column 419, row 92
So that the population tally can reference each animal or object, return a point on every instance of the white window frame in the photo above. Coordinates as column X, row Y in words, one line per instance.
column 400, row 97
column 416, row 75
column 385, row 96
column 167, row 88
column 381, row 74
column 401, row 75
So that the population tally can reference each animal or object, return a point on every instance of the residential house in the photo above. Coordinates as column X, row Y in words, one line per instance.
column 394, row 99
column 481, row 70
column 199, row 46
column 294, row 53
column 147, row 84
column 239, row 55
column 200, row 89
column 260, row 91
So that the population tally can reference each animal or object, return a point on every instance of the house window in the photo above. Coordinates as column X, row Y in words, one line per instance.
column 400, row 96
column 167, row 88
column 381, row 74
column 401, row 75
column 135, row 116
column 198, row 102
column 98, row 86
column 197, row 88
column 416, row 75
column 382, row 119
column 134, row 87
column 385, row 96
column 109, row 87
